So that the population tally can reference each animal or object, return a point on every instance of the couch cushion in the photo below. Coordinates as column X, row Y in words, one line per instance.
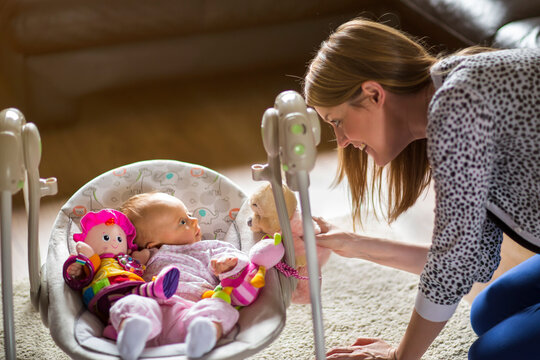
column 475, row 21
column 522, row 34
column 35, row 27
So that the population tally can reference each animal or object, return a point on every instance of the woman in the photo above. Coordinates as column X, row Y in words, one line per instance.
column 469, row 122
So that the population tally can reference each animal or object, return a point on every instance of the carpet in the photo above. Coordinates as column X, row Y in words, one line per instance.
column 359, row 299
column 362, row 299
column 32, row 337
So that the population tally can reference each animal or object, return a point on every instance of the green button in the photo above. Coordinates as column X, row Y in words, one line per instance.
column 297, row 129
column 299, row 149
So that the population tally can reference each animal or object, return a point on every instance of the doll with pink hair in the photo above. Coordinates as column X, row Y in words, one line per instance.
column 106, row 268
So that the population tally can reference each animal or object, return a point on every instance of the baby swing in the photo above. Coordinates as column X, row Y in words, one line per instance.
column 290, row 134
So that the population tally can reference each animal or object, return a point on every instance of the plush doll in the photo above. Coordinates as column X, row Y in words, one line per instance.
column 265, row 220
column 105, row 270
column 243, row 288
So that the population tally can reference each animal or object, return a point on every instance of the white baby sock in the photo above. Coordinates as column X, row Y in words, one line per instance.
column 132, row 337
column 201, row 337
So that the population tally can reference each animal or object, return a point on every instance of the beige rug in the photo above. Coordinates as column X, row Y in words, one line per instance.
column 32, row 337
column 359, row 299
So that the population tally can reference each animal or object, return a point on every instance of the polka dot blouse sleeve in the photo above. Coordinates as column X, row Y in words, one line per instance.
column 465, row 244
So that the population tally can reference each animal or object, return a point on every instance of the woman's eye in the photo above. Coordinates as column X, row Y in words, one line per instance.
column 183, row 222
column 106, row 238
column 336, row 123
column 119, row 239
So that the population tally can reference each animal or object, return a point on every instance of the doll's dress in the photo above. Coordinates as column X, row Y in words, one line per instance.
column 110, row 277
column 109, row 272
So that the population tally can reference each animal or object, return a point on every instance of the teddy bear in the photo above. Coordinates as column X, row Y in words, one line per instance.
column 265, row 220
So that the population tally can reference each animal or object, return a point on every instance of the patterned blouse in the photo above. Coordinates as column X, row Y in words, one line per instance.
column 484, row 150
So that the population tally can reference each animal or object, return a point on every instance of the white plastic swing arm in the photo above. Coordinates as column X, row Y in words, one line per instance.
column 7, row 284
column 290, row 134
column 312, row 263
column 20, row 154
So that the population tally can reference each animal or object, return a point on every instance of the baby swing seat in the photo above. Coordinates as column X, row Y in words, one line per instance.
column 222, row 211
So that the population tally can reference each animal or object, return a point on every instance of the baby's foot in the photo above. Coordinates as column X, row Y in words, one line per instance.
column 132, row 337
column 201, row 337
column 163, row 286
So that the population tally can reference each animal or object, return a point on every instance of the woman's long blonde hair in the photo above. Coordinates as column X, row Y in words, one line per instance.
column 362, row 50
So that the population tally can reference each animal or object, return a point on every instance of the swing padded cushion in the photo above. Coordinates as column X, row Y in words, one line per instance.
column 222, row 211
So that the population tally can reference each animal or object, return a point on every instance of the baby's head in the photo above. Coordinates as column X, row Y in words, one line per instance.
column 161, row 219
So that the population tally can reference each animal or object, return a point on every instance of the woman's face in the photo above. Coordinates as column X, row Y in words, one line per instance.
column 364, row 124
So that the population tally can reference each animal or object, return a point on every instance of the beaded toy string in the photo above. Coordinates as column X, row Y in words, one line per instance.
column 289, row 271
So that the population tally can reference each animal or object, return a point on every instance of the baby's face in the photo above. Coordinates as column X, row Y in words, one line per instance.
column 171, row 223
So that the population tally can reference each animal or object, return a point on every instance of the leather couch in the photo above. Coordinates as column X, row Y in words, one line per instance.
column 55, row 52
column 497, row 23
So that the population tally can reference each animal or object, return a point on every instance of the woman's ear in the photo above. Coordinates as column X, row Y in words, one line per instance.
column 374, row 92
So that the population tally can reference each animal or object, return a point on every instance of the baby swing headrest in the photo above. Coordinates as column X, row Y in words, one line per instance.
column 213, row 198
column 108, row 217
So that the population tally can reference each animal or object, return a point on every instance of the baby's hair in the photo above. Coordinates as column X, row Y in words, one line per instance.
column 136, row 208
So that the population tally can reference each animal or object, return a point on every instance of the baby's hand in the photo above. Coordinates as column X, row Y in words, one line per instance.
column 141, row 256
column 224, row 264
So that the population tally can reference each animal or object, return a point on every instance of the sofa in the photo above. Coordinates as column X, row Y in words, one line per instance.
column 497, row 23
column 53, row 53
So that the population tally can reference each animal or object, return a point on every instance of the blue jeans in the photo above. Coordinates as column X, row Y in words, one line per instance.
column 506, row 315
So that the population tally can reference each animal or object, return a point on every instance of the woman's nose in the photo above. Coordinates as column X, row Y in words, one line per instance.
column 341, row 139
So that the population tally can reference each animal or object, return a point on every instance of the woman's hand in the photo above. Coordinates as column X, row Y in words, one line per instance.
column 334, row 238
column 364, row 348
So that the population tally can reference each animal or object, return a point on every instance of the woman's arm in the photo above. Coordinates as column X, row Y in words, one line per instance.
column 418, row 337
column 402, row 256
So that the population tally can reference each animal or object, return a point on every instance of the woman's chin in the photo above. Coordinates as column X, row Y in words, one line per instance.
column 380, row 162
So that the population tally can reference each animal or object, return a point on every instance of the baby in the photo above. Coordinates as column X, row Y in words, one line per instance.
column 168, row 234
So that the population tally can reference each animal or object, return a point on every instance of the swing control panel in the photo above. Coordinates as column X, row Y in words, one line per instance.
column 301, row 132
column 292, row 131
column 11, row 150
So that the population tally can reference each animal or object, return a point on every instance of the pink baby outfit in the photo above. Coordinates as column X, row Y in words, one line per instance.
column 171, row 318
column 196, row 277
